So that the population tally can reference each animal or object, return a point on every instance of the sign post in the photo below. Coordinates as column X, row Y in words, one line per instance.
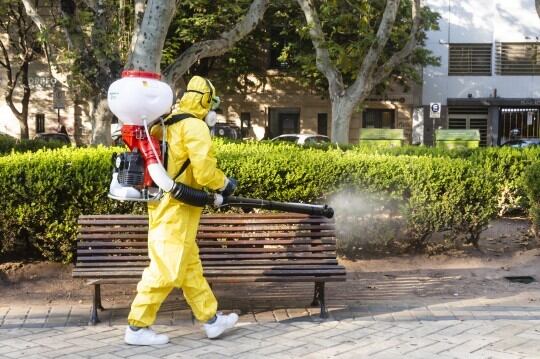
column 435, row 110
column 59, row 100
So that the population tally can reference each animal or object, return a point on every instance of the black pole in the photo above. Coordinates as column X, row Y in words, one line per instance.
column 316, row 210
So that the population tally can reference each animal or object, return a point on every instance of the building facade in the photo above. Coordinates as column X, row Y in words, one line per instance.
column 489, row 78
column 282, row 106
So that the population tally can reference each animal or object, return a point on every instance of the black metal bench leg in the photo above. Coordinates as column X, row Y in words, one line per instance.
column 98, row 291
column 96, row 303
column 315, row 302
column 319, row 299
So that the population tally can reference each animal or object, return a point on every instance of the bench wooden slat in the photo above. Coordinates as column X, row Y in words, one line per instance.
column 227, row 263
column 209, row 243
column 85, row 236
column 210, row 257
column 220, row 221
column 203, row 228
column 229, row 273
column 222, row 280
column 219, row 268
column 307, row 249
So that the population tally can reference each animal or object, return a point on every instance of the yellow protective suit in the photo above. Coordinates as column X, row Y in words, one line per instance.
column 174, row 255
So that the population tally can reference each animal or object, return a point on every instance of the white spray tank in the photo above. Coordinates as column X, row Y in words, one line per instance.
column 139, row 96
column 138, row 99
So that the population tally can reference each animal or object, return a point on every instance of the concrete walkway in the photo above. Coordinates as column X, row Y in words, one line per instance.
column 507, row 327
column 384, row 312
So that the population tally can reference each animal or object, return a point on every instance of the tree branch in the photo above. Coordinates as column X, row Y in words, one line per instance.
column 386, row 69
column 7, row 63
column 217, row 47
column 370, row 60
column 324, row 63
column 32, row 13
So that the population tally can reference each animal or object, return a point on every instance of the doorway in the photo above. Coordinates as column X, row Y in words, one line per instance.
column 469, row 119
column 518, row 123
column 289, row 123
column 283, row 121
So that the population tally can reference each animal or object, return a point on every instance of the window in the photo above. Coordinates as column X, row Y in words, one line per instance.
column 518, row 58
column 469, row 59
column 40, row 122
column 372, row 118
column 322, row 124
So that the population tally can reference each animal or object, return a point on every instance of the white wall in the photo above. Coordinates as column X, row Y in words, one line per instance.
column 479, row 21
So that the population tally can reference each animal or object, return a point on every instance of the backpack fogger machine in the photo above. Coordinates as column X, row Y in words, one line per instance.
column 138, row 100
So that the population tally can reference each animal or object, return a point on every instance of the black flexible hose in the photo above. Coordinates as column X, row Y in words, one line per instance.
column 199, row 198
column 191, row 196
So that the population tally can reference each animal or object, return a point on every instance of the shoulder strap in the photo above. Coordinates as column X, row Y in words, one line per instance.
column 182, row 169
column 177, row 118
column 171, row 121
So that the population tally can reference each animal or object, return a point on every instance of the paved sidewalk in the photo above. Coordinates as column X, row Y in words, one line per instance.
column 506, row 327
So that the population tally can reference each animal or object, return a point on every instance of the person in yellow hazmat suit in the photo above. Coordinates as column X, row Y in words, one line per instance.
column 173, row 252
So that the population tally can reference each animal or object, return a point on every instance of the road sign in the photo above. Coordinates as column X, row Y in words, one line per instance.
column 435, row 110
column 59, row 99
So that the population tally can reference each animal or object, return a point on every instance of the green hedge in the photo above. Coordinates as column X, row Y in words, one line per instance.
column 531, row 183
column 9, row 145
column 44, row 192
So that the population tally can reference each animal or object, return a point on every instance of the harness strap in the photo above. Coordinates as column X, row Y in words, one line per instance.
column 171, row 121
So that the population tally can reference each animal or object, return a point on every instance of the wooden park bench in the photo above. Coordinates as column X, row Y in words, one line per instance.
column 112, row 249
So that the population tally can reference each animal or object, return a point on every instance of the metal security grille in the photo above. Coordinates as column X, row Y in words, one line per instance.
column 469, row 118
column 469, row 59
column 525, row 120
column 517, row 58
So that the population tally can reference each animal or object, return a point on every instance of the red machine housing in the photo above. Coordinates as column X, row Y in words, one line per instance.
column 134, row 136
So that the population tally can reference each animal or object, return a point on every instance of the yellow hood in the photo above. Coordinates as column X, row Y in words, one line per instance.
column 197, row 99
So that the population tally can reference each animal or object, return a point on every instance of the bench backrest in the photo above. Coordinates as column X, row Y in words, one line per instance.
column 223, row 239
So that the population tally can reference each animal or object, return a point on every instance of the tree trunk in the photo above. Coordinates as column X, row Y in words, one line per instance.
column 23, row 120
column 77, row 121
column 151, row 37
column 101, row 120
column 342, row 110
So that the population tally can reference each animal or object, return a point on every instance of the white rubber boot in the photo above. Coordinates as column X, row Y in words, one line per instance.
column 222, row 323
column 144, row 336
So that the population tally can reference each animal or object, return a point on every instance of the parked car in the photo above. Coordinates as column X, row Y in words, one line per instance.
column 53, row 136
column 523, row 142
column 226, row 130
column 303, row 139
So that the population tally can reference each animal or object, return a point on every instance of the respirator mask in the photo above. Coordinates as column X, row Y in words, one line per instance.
column 211, row 116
